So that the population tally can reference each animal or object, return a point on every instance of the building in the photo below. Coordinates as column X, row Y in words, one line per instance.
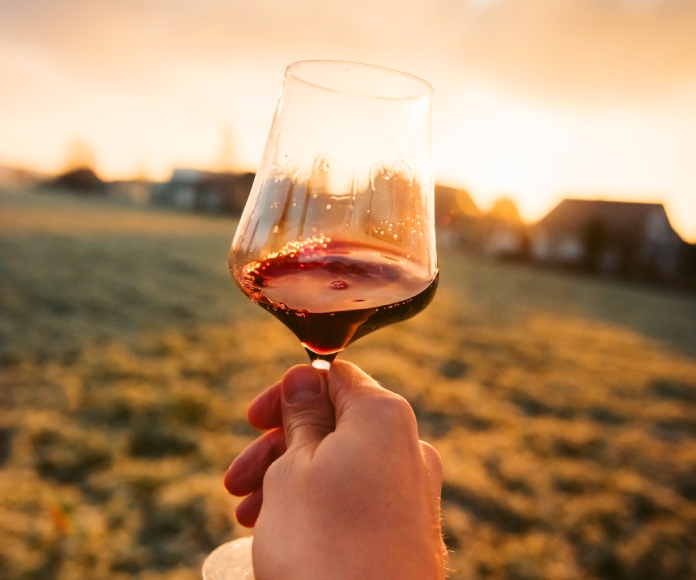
column 628, row 239
column 197, row 190
column 456, row 217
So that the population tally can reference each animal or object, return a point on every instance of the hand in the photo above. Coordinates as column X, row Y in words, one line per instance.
column 339, row 486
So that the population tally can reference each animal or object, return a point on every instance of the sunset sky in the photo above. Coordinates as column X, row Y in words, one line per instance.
column 534, row 99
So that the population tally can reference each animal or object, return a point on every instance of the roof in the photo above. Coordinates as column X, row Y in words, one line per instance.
column 620, row 219
column 454, row 201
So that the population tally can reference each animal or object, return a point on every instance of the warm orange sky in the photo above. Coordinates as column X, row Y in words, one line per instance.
column 535, row 99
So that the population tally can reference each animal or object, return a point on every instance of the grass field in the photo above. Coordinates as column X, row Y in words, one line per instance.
column 564, row 408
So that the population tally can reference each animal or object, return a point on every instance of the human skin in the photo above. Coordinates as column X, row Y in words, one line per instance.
column 339, row 486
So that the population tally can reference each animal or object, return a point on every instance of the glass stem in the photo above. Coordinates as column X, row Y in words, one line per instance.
column 321, row 361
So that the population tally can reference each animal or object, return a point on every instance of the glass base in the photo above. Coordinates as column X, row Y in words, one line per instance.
column 321, row 364
column 231, row 561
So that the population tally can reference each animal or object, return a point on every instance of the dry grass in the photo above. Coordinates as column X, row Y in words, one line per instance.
column 564, row 409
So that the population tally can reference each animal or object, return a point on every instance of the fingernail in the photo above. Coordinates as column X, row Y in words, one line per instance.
column 303, row 388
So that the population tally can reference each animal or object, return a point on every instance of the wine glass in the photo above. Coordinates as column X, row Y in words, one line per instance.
column 337, row 238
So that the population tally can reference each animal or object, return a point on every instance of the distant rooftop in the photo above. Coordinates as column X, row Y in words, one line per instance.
column 622, row 218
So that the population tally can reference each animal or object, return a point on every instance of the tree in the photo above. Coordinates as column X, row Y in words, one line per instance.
column 80, row 156
column 506, row 210
column 227, row 150
column 79, row 175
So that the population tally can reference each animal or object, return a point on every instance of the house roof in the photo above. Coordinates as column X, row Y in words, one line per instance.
column 454, row 201
column 620, row 219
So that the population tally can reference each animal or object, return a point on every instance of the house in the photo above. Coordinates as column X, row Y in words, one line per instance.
column 17, row 179
column 498, row 233
column 133, row 191
column 629, row 239
column 456, row 216
column 82, row 180
column 197, row 190
column 502, row 234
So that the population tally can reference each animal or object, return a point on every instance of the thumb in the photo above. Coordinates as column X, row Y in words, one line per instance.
column 308, row 415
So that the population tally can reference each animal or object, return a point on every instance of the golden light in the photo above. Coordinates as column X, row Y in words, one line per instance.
column 609, row 114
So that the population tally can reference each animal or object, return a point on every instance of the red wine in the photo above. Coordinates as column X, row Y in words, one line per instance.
column 331, row 293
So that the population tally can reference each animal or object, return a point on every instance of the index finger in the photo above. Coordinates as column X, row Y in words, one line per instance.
column 264, row 411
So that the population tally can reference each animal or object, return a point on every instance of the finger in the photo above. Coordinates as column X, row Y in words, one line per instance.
column 245, row 474
column 308, row 415
column 264, row 411
column 248, row 510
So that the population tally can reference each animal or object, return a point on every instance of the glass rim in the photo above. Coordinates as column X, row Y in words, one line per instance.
column 294, row 69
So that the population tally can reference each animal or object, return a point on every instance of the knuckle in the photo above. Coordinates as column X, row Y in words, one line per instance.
column 433, row 460
column 398, row 413
column 309, row 417
column 431, row 452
